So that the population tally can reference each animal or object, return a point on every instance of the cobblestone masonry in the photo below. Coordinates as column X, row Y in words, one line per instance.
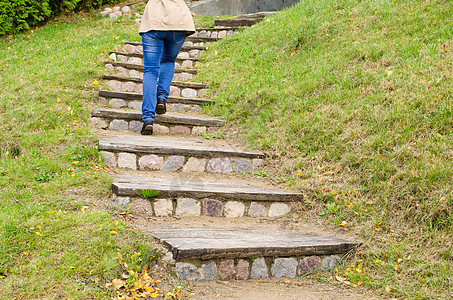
column 212, row 208
column 258, row 268
column 177, row 163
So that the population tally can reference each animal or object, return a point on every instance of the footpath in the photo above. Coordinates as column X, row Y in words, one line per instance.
column 185, row 184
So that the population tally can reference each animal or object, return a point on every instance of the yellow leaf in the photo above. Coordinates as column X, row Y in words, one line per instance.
column 25, row 253
column 395, row 267
column 154, row 295
column 113, row 232
column 95, row 82
column 390, row 289
column 286, row 280
column 134, row 255
column 118, row 283
column 359, row 283
column 38, row 233
column 378, row 261
column 71, row 267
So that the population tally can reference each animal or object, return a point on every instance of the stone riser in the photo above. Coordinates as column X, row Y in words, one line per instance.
column 138, row 74
column 257, row 268
column 176, row 90
column 214, row 32
column 159, row 128
column 179, row 163
column 137, row 105
column 137, row 59
column 190, row 207
column 186, row 52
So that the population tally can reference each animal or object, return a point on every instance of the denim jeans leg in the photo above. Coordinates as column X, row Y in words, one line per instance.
column 172, row 45
column 153, row 46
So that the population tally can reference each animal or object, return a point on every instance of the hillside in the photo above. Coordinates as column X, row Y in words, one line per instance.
column 354, row 101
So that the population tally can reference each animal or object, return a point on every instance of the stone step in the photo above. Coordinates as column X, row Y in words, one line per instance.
column 199, row 187
column 194, row 39
column 177, row 88
column 139, row 67
column 125, row 69
column 172, row 154
column 134, row 101
column 188, row 51
column 243, row 20
column 131, row 120
column 191, row 195
column 231, row 253
column 136, row 58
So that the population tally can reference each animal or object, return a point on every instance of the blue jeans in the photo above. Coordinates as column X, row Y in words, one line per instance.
column 160, row 49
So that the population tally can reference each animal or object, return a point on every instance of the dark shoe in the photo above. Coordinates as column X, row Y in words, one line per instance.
column 147, row 128
column 161, row 108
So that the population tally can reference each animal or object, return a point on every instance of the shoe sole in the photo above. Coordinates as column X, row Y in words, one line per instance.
column 148, row 130
column 161, row 109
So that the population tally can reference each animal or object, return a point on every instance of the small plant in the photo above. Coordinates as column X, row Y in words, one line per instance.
column 260, row 173
column 45, row 177
column 331, row 207
column 210, row 135
column 148, row 194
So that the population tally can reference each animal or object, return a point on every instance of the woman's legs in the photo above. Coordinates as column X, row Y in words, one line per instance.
column 160, row 49
column 172, row 45
column 153, row 46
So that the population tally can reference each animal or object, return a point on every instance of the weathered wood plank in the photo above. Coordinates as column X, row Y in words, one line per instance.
column 170, row 146
column 183, row 48
column 167, row 118
column 140, row 67
column 139, row 97
column 197, row 188
column 199, row 243
column 182, row 84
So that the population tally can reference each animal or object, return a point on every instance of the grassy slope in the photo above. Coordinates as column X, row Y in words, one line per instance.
column 355, row 98
column 54, row 242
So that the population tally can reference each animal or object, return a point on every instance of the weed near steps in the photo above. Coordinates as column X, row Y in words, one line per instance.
column 355, row 99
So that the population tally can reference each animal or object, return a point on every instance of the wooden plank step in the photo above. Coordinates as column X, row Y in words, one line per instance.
column 183, row 48
column 199, row 188
column 172, row 146
column 205, row 244
column 236, row 22
column 182, row 84
column 194, row 39
column 174, row 119
column 137, row 58
column 140, row 55
column 139, row 97
column 140, row 67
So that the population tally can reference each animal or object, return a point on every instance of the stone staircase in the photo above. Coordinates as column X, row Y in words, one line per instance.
column 193, row 178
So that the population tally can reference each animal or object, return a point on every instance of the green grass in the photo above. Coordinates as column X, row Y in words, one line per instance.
column 56, row 239
column 355, row 99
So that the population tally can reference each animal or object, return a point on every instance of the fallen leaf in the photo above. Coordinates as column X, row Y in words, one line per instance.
column 286, row 280
column 117, row 283
column 95, row 82
column 38, row 233
column 113, row 232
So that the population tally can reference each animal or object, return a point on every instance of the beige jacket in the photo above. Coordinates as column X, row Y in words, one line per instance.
column 167, row 15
